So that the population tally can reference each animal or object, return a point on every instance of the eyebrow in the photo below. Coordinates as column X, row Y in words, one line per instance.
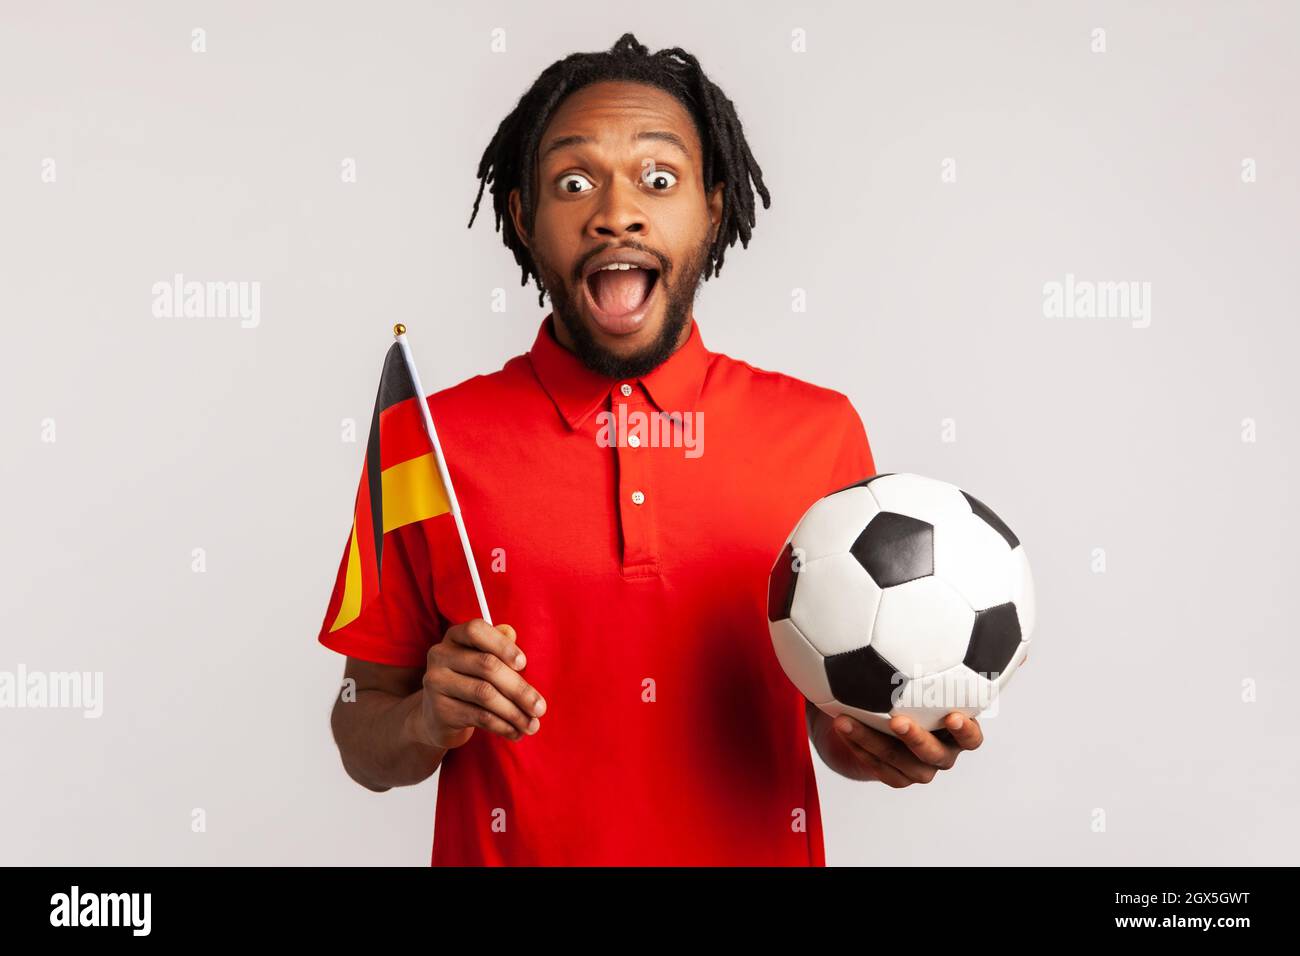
column 658, row 135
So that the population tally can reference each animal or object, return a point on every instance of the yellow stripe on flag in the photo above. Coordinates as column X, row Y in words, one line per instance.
column 350, row 606
column 412, row 492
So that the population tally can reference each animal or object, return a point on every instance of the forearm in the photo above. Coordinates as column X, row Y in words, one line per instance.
column 377, row 737
column 835, row 752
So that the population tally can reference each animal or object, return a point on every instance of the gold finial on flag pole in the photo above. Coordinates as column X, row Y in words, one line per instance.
column 399, row 329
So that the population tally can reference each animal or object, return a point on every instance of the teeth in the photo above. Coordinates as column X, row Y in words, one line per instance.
column 617, row 265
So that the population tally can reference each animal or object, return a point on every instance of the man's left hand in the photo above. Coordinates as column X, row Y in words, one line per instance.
column 854, row 750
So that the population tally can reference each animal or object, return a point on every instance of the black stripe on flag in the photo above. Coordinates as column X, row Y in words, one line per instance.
column 395, row 386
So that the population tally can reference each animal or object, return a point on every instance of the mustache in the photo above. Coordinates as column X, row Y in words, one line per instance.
column 665, row 264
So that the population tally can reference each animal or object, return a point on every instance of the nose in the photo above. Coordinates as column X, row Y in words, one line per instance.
column 618, row 214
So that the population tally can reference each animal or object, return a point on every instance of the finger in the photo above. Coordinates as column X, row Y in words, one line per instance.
column 480, row 692
column 499, row 640
column 966, row 731
column 461, row 714
column 511, row 684
column 884, row 772
column 924, row 744
column 509, row 632
column 884, row 749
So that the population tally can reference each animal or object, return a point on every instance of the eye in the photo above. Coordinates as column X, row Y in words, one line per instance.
column 576, row 179
column 653, row 175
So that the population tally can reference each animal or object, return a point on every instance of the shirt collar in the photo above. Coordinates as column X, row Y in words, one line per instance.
column 577, row 391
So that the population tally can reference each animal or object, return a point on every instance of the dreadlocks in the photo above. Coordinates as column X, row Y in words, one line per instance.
column 509, row 161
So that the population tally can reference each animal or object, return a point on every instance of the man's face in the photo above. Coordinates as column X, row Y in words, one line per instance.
column 620, row 175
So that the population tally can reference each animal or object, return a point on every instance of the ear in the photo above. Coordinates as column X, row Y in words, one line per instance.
column 517, row 217
column 715, row 211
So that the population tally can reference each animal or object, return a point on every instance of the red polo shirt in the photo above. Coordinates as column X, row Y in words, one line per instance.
column 630, row 551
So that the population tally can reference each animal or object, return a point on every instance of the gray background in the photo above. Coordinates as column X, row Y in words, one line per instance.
column 925, row 303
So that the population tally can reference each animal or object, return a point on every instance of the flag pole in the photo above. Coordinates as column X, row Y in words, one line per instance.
column 399, row 333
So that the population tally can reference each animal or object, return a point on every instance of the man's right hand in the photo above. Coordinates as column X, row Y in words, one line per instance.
column 471, row 680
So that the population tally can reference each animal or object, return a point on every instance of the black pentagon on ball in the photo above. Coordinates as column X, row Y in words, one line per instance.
column 863, row 679
column 981, row 510
column 895, row 549
column 780, row 585
column 993, row 640
column 860, row 484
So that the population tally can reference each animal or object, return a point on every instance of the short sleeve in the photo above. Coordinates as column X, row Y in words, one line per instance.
column 853, row 461
column 397, row 626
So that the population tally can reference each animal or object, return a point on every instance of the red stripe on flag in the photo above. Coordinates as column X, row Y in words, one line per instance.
column 401, row 434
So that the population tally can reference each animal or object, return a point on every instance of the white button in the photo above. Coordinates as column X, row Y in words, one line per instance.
column 637, row 498
column 634, row 441
column 626, row 389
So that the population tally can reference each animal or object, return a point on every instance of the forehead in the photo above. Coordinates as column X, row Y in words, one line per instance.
column 612, row 112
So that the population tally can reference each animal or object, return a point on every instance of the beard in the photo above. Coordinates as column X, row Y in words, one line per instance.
column 680, row 287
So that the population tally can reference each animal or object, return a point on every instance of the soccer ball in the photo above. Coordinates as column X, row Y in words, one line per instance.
column 901, row 595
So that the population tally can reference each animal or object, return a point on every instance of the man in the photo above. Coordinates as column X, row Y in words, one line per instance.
column 626, row 544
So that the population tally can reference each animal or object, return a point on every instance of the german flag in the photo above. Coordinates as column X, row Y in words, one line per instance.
column 400, row 484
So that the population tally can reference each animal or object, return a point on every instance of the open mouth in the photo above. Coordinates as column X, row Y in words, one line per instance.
column 619, row 299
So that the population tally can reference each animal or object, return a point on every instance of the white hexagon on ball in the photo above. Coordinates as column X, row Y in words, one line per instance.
column 835, row 604
column 832, row 523
column 923, row 627
column 974, row 559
